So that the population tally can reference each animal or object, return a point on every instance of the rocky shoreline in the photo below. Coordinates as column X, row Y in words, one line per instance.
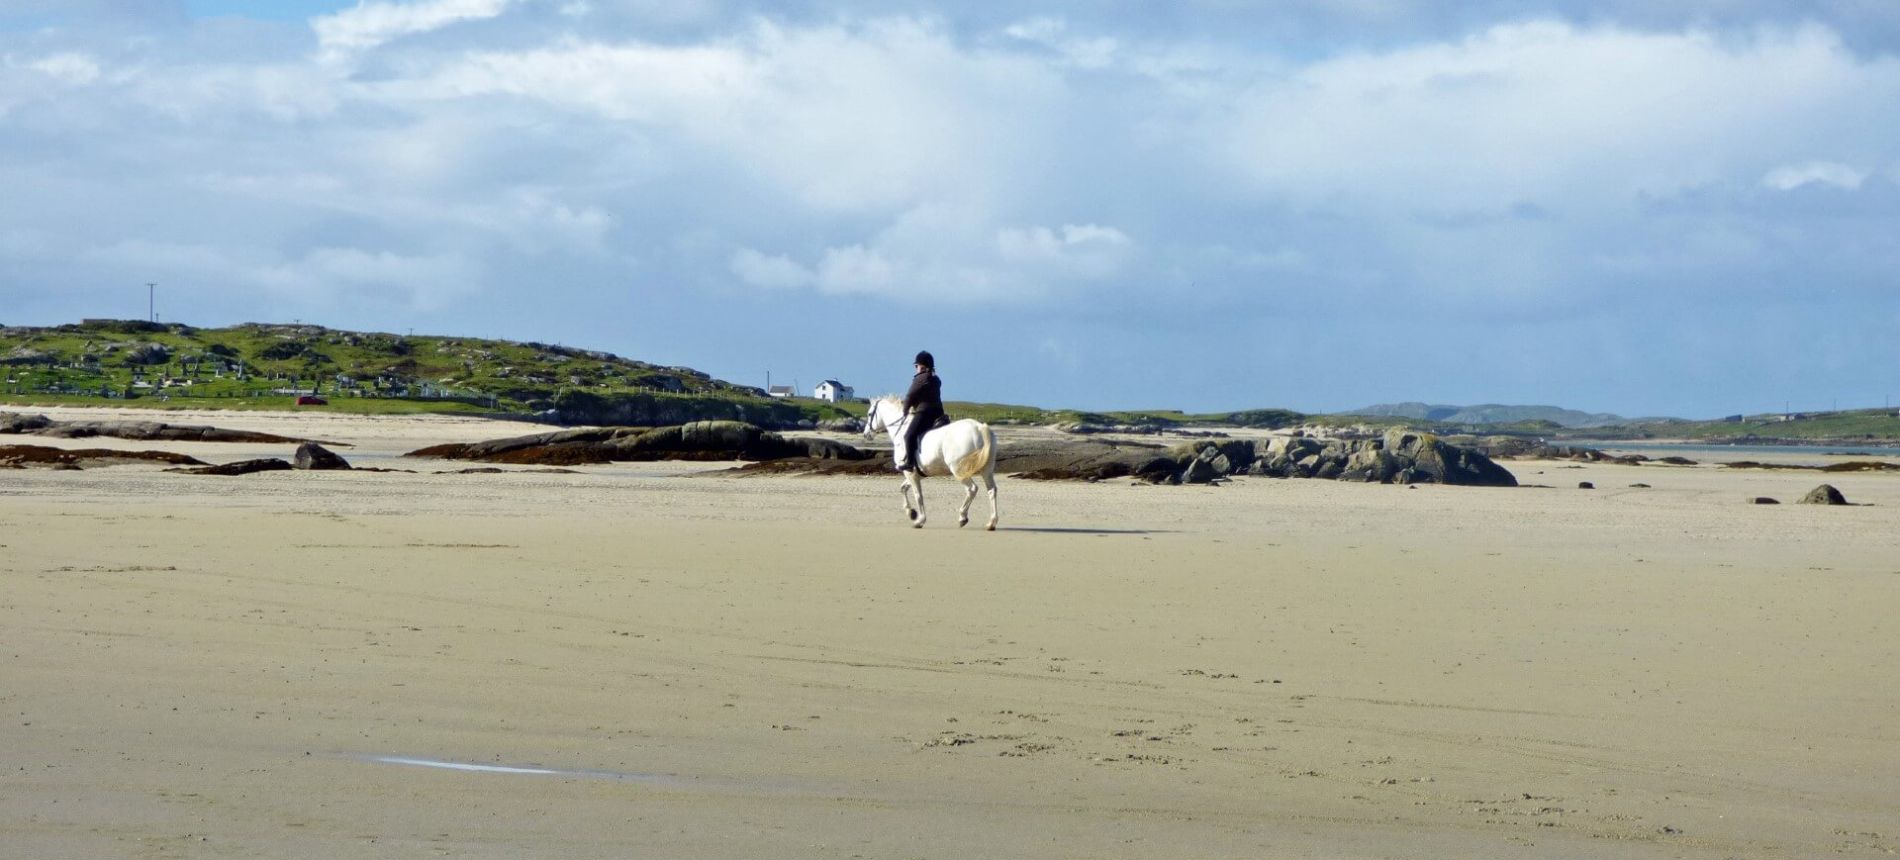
column 14, row 423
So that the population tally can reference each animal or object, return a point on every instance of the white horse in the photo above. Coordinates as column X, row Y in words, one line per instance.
column 963, row 449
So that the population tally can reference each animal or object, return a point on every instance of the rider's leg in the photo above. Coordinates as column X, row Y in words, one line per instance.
column 914, row 445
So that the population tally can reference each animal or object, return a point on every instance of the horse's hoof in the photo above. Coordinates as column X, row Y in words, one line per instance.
column 913, row 515
column 990, row 528
column 962, row 521
column 917, row 523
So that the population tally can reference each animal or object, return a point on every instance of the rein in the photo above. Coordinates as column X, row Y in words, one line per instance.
column 903, row 418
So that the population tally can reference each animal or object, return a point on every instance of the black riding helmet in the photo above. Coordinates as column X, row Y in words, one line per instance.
column 924, row 358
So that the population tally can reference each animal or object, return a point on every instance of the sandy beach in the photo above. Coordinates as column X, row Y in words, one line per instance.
column 662, row 660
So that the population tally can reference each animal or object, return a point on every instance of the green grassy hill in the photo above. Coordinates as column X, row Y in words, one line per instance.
column 265, row 366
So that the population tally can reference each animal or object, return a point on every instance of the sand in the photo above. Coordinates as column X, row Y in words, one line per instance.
column 657, row 660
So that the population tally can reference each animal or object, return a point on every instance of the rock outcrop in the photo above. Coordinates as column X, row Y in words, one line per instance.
column 242, row 467
column 1399, row 457
column 13, row 422
column 697, row 440
column 655, row 409
column 41, row 455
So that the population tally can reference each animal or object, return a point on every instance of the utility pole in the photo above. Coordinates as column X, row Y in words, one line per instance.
column 151, row 302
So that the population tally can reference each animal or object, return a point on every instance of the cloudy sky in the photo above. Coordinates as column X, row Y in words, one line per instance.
column 1686, row 207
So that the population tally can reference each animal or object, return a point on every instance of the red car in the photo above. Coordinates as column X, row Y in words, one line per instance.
column 311, row 400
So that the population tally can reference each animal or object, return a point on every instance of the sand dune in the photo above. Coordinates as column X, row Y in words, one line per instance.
column 660, row 660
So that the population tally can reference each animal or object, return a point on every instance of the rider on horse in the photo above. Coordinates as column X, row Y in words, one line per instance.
column 925, row 405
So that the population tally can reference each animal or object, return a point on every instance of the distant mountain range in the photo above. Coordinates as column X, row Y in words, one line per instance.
column 1490, row 413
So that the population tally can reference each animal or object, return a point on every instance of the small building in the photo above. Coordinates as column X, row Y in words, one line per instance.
column 833, row 391
column 781, row 391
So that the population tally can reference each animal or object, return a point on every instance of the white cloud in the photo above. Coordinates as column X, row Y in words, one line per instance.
column 370, row 24
column 330, row 275
column 1526, row 111
column 861, row 118
column 1073, row 251
column 1791, row 176
column 772, row 272
column 950, row 255
column 1053, row 33
column 320, row 277
column 539, row 215
column 857, row 269
column 68, row 68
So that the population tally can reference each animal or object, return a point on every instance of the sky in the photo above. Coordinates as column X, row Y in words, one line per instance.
column 1647, row 207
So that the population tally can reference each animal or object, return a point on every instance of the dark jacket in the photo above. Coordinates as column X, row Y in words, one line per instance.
column 925, row 399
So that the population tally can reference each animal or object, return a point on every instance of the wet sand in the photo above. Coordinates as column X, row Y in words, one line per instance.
column 648, row 660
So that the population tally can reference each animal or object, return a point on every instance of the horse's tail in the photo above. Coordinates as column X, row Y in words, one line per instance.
column 972, row 464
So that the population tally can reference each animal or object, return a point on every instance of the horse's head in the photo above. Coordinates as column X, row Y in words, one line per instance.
column 874, row 420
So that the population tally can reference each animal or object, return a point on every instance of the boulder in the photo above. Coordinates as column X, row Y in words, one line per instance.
column 1434, row 461
column 1824, row 495
column 149, row 353
column 1158, row 470
column 1199, row 471
column 1371, row 463
column 27, row 355
column 314, row 457
column 1763, row 500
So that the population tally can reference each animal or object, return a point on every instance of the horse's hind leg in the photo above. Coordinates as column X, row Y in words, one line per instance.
column 989, row 480
column 969, row 495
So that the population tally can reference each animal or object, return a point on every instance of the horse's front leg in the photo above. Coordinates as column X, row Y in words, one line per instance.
column 969, row 495
column 915, row 481
column 910, row 508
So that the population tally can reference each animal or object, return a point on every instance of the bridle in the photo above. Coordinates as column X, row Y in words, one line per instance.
column 897, row 425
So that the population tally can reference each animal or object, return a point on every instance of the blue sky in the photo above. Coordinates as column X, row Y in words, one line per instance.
column 1648, row 207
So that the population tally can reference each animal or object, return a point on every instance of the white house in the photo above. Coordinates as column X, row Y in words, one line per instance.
column 780, row 391
column 833, row 391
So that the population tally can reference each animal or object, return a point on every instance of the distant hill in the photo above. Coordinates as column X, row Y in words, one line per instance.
column 1490, row 413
